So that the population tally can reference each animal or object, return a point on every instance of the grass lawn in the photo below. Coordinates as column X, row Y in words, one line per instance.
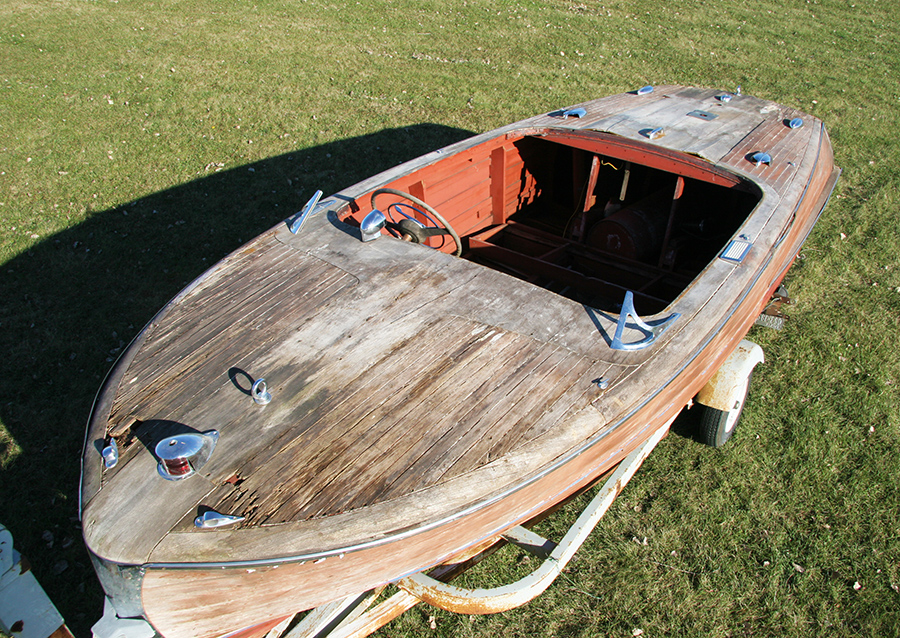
column 140, row 142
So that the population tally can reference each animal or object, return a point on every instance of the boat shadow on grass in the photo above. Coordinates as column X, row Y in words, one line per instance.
column 72, row 302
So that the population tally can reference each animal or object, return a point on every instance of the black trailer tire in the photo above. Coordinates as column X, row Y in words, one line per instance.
column 717, row 426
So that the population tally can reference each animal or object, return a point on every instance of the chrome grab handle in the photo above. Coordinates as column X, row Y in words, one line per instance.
column 652, row 331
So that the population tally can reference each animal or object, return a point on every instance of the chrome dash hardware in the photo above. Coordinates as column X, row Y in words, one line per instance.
column 372, row 225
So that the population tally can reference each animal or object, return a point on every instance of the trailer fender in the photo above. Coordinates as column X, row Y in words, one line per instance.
column 722, row 390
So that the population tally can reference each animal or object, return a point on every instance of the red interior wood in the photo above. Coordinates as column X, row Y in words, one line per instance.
column 562, row 183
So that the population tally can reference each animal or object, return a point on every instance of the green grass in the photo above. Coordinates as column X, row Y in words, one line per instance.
column 142, row 141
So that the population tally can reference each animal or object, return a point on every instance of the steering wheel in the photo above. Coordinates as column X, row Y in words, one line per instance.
column 413, row 230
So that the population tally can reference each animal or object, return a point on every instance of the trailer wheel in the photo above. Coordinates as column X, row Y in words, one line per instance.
column 717, row 426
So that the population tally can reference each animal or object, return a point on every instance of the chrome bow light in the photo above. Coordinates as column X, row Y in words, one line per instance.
column 182, row 455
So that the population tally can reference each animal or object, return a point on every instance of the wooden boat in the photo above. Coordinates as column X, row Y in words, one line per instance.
column 613, row 255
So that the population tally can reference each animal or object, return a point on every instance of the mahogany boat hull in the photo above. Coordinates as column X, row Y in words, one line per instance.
column 437, row 467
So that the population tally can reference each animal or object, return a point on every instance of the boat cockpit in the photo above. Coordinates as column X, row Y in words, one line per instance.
column 584, row 214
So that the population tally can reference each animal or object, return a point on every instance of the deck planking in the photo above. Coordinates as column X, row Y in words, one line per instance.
column 387, row 429
column 172, row 375
column 363, row 450
column 499, row 402
column 322, row 436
